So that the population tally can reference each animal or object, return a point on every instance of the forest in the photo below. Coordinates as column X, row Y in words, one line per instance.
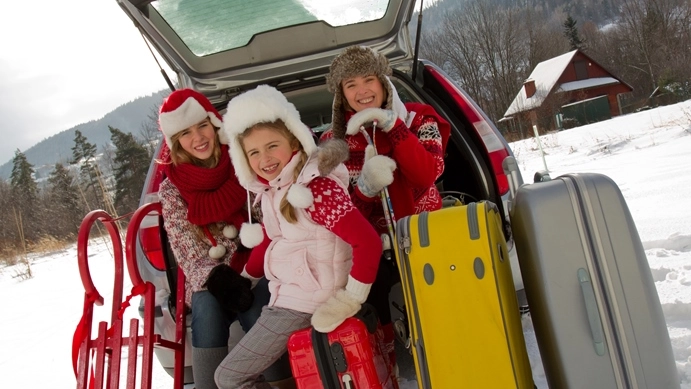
column 488, row 47
column 491, row 47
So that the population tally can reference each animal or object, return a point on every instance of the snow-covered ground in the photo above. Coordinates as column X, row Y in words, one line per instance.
column 647, row 154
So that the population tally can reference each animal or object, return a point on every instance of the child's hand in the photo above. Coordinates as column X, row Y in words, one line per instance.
column 232, row 291
column 384, row 118
column 377, row 172
column 334, row 311
column 344, row 304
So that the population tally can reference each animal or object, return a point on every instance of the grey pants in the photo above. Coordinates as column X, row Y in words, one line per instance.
column 265, row 342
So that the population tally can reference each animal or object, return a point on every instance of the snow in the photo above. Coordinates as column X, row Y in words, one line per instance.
column 646, row 154
column 587, row 83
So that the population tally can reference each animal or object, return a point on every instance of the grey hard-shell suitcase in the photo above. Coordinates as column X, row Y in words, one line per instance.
column 596, row 313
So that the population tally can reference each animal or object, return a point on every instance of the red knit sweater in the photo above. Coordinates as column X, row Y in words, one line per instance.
column 419, row 154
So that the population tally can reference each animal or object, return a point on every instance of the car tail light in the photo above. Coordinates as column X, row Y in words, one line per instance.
column 149, row 230
column 496, row 149
column 150, row 237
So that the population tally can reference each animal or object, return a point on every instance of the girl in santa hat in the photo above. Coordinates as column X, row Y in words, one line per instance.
column 203, row 206
column 392, row 144
column 319, row 267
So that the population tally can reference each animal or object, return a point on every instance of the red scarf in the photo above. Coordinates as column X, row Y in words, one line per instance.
column 212, row 194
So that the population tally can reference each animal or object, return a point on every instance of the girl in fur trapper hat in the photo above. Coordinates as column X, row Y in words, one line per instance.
column 319, row 267
column 203, row 207
column 409, row 156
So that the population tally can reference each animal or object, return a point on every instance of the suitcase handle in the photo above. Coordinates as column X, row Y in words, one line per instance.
column 592, row 311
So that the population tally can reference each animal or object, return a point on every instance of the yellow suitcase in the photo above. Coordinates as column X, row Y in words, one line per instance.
column 465, row 327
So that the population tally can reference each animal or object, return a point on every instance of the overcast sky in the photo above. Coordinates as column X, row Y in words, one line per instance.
column 63, row 63
column 67, row 62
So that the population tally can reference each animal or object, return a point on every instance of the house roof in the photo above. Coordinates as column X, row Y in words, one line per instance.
column 545, row 75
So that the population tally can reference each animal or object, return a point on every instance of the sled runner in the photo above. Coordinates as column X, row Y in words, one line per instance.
column 97, row 361
column 594, row 306
column 461, row 303
column 347, row 357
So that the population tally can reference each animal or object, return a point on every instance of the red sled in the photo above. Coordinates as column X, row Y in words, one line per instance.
column 346, row 358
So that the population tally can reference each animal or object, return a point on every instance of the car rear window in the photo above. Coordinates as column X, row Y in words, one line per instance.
column 212, row 26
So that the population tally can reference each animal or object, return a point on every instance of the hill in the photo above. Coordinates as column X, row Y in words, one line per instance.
column 128, row 118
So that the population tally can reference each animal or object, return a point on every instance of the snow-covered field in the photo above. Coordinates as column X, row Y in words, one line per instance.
column 647, row 155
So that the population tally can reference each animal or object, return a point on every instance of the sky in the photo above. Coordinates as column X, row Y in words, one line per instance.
column 68, row 62
column 645, row 153
column 64, row 63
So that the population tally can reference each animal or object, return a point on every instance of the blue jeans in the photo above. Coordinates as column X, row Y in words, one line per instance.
column 210, row 324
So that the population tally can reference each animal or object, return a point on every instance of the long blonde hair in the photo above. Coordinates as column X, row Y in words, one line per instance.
column 286, row 209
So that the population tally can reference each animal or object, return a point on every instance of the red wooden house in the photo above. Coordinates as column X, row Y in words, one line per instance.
column 565, row 91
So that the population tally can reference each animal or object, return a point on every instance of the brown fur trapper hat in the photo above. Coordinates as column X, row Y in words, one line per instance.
column 352, row 62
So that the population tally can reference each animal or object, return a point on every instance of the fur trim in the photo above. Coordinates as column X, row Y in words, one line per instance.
column 260, row 105
column 230, row 231
column 184, row 108
column 330, row 154
column 251, row 235
column 352, row 62
column 300, row 196
column 217, row 252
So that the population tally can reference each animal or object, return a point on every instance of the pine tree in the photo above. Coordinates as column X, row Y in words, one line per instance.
column 84, row 153
column 25, row 193
column 63, row 203
column 571, row 33
column 131, row 165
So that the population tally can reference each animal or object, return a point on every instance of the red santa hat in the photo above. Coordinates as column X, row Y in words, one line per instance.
column 184, row 108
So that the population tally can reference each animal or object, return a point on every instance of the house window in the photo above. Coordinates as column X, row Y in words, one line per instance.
column 581, row 70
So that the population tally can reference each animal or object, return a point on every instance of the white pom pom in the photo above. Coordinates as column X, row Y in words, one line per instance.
column 217, row 252
column 251, row 235
column 230, row 231
column 300, row 196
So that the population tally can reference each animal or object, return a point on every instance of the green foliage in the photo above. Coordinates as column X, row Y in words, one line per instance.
column 25, row 193
column 571, row 33
column 62, row 203
column 131, row 163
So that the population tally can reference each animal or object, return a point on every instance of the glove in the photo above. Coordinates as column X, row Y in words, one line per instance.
column 344, row 304
column 232, row 291
column 377, row 172
column 384, row 118
column 330, row 154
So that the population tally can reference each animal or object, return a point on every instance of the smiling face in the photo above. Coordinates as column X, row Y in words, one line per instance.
column 363, row 92
column 199, row 140
column 268, row 150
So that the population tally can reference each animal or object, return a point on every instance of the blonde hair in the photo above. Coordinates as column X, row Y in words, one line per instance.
column 178, row 155
column 286, row 209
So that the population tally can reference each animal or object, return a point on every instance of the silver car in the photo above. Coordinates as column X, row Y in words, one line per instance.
column 223, row 47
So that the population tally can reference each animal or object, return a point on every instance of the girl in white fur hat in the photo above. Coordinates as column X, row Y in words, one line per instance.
column 320, row 268
column 203, row 206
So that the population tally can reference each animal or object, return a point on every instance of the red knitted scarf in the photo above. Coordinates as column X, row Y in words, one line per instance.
column 212, row 194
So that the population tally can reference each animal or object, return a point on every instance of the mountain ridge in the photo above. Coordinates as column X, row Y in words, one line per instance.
column 128, row 117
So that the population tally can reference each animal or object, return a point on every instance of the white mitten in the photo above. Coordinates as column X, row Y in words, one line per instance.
column 344, row 304
column 247, row 275
column 377, row 172
column 384, row 118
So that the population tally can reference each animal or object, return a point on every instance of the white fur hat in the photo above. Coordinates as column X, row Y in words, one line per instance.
column 184, row 108
column 264, row 104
